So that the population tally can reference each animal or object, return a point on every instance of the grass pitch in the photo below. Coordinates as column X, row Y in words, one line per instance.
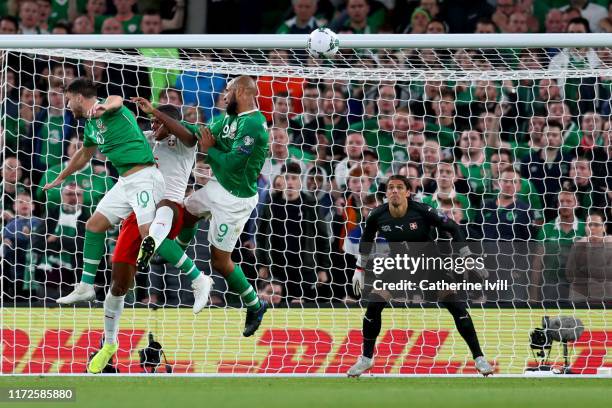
column 168, row 392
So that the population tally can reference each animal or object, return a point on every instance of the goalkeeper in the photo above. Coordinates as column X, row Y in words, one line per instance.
column 404, row 220
column 236, row 147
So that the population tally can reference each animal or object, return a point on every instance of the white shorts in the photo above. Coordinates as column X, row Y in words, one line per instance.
column 176, row 195
column 227, row 213
column 139, row 192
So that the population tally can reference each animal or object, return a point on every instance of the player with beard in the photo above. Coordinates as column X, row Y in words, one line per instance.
column 236, row 147
column 404, row 220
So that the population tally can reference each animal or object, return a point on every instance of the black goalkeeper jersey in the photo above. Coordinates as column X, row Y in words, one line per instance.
column 417, row 225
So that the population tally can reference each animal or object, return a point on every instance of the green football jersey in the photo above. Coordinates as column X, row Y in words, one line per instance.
column 469, row 212
column 51, row 135
column 119, row 138
column 557, row 245
column 445, row 136
column 240, row 151
column 380, row 141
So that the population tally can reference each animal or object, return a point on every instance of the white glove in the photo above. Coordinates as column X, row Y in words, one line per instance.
column 358, row 281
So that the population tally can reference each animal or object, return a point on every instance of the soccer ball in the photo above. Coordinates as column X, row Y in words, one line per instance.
column 323, row 43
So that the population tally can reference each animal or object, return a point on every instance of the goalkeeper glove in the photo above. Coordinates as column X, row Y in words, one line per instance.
column 358, row 281
column 482, row 273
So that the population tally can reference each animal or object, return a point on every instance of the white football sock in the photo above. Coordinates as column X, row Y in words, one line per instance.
column 113, row 307
column 161, row 225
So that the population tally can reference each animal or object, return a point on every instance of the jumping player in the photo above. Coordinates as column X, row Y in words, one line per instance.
column 112, row 128
column 236, row 145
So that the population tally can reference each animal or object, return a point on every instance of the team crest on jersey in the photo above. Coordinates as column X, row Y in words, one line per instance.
column 386, row 228
column 229, row 131
column 413, row 226
column 248, row 140
column 100, row 126
column 172, row 141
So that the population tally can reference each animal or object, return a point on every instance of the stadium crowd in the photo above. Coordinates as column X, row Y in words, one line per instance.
column 524, row 160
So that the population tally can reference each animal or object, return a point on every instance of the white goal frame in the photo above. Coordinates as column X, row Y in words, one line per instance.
column 287, row 41
column 22, row 43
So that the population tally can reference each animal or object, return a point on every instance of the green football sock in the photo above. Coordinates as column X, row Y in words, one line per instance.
column 173, row 253
column 238, row 283
column 93, row 251
column 186, row 236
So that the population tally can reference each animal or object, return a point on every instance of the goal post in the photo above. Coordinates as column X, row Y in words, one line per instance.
column 459, row 115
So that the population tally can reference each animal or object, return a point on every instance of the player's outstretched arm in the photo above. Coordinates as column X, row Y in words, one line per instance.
column 174, row 126
column 111, row 104
column 76, row 163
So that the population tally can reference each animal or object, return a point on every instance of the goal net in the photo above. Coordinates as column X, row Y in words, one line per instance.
column 512, row 144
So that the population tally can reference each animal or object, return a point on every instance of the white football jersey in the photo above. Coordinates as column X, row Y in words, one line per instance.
column 175, row 161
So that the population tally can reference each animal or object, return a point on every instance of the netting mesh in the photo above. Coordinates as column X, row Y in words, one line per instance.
column 512, row 144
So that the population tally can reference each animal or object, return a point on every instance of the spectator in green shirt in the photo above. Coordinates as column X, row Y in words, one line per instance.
column 127, row 17
column 559, row 111
column 500, row 160
column 472, row 164
column 432, row 154
column 357, row 22
column 304, row 21
column 49, row 132
column 281, row 153
column 378, row 130
column 588, row 196
column 532, row 135
column 548, row 281
column 547, row 90
column 95, row 11
column 67, row 10
column 443, row 126
column 403, row 122
column 90, row 179
column 446, row 175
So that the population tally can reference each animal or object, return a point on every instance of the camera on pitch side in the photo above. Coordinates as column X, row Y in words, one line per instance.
column 562, row 329
column 151, row 356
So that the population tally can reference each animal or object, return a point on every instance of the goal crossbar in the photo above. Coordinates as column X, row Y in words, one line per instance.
column 288, row 41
